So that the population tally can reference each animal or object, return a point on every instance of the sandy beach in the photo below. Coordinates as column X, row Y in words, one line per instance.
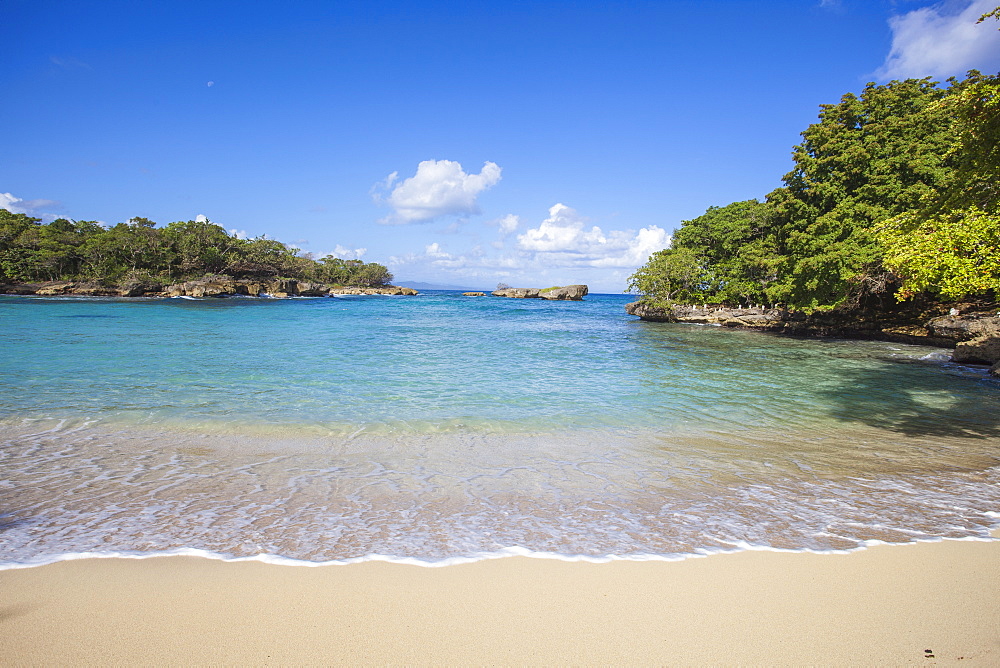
column 929, row 603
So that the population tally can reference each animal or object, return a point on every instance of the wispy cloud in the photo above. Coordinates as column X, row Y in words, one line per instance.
column 942, row 40
column 69, row 63
column 439, row 188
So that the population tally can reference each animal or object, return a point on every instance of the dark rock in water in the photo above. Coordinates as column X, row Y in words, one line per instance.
column 569, row 292
column 995, row 370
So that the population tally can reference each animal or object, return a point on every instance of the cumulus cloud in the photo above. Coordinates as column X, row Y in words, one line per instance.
column 32, row 207
column 942, row 40
column 439, row 188
column 564, row 239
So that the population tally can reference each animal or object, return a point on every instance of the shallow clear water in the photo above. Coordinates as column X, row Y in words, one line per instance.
column 440, row 427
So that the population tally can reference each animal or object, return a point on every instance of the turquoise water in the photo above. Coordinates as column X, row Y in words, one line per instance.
column 442, row 427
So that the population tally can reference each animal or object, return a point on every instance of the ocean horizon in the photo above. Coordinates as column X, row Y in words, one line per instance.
column 440, row 428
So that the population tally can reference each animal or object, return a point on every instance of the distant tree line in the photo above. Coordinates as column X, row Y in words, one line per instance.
column 895, row 193
column 140, row 252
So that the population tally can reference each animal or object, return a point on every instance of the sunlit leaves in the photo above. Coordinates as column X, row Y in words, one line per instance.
column 954, row 255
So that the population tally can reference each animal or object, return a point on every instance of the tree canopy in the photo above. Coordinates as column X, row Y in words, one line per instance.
column 895, row 191
column 139, row 251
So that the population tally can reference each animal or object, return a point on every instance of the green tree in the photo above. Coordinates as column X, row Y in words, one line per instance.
column 869, row 158
column 261, row 257
column 671, row 275
column 199, row 247
column 949, row 246
column 950, row 255
column 736, row 245
column 372, row 275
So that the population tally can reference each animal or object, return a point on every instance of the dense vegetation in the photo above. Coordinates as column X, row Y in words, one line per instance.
column 895, row 192
column 140, row 252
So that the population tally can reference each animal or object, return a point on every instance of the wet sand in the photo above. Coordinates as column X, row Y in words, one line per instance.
column 928, row 603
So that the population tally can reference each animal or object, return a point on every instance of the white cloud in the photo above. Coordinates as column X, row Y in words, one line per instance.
column 507, row 224
column 439, row 188
column 201, row 218
column 32, row 207
column 942, row 40
column 564, row 240
column 562, row 249
column 345, row 253
column 239, row 234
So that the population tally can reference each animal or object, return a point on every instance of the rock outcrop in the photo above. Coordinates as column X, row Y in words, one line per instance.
column 473, row 294
column 974, row 335
column 516, row 293
column 80, row 289
column 569, row 292
column 757, row 318
column 208, row 286
column 651, row 313
column 394, row 290
column 980, row 350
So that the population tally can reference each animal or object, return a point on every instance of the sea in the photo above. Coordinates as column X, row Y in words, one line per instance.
column 440, row 428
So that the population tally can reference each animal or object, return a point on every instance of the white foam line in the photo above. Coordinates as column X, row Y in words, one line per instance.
column 515, row 551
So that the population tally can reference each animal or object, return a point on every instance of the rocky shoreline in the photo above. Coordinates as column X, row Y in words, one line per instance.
column 209, row 286
column 973, row 332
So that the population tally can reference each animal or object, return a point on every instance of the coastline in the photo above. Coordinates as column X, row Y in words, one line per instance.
column 883, row 604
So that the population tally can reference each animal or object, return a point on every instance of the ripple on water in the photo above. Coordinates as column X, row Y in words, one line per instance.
column 440, row 428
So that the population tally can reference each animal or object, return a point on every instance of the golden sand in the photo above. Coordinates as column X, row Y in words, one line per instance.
column 923, row 604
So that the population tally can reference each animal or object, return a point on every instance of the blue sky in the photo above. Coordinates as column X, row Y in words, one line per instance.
column 461, row 143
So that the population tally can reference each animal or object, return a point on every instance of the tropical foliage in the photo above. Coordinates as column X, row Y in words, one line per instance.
column 895, row 191
column 139, row 251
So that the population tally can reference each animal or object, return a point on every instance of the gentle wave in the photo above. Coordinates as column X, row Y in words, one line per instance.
column 514, row 551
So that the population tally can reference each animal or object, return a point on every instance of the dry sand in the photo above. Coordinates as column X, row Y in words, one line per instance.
column 885, row 605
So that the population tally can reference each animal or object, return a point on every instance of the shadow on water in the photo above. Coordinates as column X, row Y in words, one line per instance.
column 916, row 400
